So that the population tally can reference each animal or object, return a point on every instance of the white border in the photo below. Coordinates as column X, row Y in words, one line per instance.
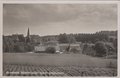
column 62, row 1
column 118, row 39
column 1, row 31
column 54, row 2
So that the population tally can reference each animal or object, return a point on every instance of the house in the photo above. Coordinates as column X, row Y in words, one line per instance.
column 57, row 46
column 39, row 48
column 42, row 47
column 63, row 47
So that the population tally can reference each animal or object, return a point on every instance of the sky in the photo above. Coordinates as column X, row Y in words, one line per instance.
column 53, row 19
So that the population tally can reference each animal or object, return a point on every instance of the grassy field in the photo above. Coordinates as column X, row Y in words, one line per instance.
column 61, row 62
column 55, row 59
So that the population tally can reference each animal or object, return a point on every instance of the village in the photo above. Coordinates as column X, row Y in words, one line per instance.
column 61, row 44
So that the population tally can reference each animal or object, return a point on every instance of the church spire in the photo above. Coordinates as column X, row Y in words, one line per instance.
column 28, row 33
column 28, row 36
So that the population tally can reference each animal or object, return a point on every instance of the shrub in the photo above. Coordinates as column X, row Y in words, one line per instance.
column 100, row 48
column 89, row 50
column 74, row 50
column 85, row 46
column 19, row 48
column 29, row 47
column 50, row 50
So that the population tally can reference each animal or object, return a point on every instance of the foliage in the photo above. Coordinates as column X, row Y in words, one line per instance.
column 19, row 41
column 74, row 50
column 100, row 48
column 50, row 50
column 71, row 38
column 8, row 44
column 91, row 37
column 63, row 38
column 110, row 47
column 84, row 47
column 88, row 49
column 19, row 48
column 16, row 43
column 29, row 47
column 115, row 45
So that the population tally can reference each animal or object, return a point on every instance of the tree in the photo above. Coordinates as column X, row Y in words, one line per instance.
column 74, row 50
column 110, row 47
column 71, row 38
column 18, row 48
column 68, row 48
column 8, row 44
column 50, row 50
column 101, row 49
column 29, row 47
column 21, row 38
column 115, row 45
column 63, row 38
column 84, row 47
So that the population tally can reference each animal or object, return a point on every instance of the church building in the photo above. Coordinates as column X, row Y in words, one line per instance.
column 28, row 39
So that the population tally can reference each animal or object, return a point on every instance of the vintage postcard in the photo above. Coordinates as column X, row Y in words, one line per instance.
column 60, row 40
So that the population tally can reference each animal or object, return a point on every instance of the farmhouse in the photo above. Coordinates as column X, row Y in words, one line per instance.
column 63, row 47
column 43, row 46
column 57, row 46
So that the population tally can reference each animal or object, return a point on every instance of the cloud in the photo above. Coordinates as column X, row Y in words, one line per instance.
column 38, row 15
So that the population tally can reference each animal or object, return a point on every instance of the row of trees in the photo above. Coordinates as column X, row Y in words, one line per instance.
column 92, row 38
column 64, row 38
column 17, row 42
column 72, row 38
column 100, row 48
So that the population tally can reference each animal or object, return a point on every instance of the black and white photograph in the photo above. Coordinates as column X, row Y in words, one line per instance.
column 60, row 40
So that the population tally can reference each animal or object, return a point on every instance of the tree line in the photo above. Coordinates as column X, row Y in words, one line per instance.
column 17, row 42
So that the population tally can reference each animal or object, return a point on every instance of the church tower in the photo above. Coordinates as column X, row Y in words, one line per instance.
column 28, row 36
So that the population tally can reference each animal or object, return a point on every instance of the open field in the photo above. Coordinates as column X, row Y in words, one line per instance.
column 68, row 64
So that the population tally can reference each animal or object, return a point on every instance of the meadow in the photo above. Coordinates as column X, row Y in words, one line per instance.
column 68, row 64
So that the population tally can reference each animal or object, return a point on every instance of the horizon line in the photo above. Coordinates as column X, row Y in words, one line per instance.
column 57, row 34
